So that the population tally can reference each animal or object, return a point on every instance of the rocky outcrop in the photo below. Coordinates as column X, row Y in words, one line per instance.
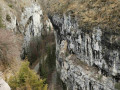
column 95, row 47
column 32, row 25
column 86, row 59
column 79, row 76
column 29, row 24
column 4, row 85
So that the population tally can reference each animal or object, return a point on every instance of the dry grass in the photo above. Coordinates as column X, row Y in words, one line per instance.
column 9, row 50
column 104, row 13
column 15, row 7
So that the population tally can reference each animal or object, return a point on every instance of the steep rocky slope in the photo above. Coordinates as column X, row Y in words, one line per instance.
column 87, row 53
column 87, row 34
column 24, row 19
column 78, row 50
column 90, row 13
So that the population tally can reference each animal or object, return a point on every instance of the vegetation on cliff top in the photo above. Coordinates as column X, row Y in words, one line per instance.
column 104, row 13
column 117, row 86
column 1, row 23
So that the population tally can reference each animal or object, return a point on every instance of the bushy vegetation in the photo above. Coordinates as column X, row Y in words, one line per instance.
column 100, row 77
column 26, row 79
column 38, row 47
column 49, row 64
column 8, row 18
column 117, row 86
column 1, row 24
column 51, row 58
column 10, row 5
column 34, row 50
column 90, row 13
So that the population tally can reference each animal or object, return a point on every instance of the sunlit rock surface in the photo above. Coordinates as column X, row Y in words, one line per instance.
column 4, row 85
column 91, row 47
column 32, row 25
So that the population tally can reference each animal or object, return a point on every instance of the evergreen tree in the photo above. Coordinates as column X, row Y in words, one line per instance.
column 26, row 79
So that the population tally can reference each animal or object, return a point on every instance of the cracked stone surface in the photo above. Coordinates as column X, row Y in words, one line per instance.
column 91, row 49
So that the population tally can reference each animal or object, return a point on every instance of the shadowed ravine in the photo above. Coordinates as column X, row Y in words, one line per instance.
column 70, row 44
column 53, row 82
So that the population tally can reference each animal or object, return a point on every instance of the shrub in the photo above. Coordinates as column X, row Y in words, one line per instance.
column 8, row 18
column 100, row 77
column 48, row 65
column 1, row 24
column 10, row 5
column 37, row 47
column 117, row 86
column 26, row 79
column 51, row 57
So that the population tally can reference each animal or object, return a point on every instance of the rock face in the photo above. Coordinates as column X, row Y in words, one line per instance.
column 96, row 48
column 4, row 85
column 32, row 25
column 86, row 59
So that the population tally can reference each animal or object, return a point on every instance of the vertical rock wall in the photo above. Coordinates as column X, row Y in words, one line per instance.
column 90, row 49
column 32, row 25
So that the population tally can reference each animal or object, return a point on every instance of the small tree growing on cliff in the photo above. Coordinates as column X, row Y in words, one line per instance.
column 26, row 79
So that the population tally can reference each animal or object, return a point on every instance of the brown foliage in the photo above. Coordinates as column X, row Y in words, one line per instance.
column 8, row 48
column 103, row 13
column 38, row 46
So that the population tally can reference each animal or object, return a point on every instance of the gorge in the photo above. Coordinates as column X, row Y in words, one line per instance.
column 72, row 51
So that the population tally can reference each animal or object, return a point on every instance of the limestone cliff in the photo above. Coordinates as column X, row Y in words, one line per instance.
column 79, row 50
column 25, row 19
column 87, row 44
column 33, row 25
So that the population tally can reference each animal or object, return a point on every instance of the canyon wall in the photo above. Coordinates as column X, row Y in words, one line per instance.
column 32, row 26
column 86, row 59
column 27, row 22
column 25, row 18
